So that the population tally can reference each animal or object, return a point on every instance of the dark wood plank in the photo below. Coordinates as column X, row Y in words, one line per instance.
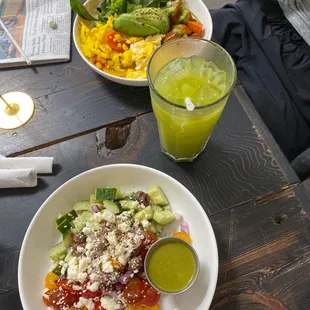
column 70, row 98
column 10, row 301
column 262, row 129
column 264, row 254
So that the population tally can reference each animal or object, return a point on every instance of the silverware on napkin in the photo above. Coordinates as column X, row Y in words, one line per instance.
column 22, row 171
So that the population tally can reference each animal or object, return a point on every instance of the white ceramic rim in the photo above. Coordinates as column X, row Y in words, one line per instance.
column 114, row 77
column 211, row 287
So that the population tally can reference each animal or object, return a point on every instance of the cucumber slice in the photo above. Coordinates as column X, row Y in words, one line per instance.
column 144, row 214
column 67, row 239
column 92, row 199
column 65, row 226
column 57, row 251
column 150, row 227
column 157, row 208
column 164, row 217
column 129, row 204
column 120, row 195
column 167, row 207
column 68, row 257
column 81, row 206
column 70, row 216
column 158, row 227
column 57, row 270
column 111, row 206
column 107, row 193
column 157, row 196
column 132, row 196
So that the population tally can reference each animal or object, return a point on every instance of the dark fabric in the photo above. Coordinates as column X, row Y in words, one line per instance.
column 273, row 64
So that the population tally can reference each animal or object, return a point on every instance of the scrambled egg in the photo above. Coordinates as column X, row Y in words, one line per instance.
column 130, row 63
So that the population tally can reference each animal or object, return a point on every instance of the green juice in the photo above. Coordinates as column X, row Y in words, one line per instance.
column 183, row 133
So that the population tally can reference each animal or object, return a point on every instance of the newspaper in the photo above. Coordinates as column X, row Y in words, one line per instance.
column 41, row 28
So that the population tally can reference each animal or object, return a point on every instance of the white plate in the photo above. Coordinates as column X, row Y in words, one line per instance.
column 196, row 6
column 42, row 235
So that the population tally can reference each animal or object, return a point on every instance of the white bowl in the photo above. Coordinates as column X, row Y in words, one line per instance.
column 196, row 6
column 41, row 235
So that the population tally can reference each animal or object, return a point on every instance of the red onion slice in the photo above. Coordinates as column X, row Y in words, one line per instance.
column 178, row 217
column 124, row 279
column 95, row 209
column 184, row 227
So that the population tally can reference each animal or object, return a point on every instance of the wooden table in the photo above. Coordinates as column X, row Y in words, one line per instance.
column 254, row 200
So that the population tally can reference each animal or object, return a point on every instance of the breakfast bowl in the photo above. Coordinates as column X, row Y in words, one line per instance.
column 196, row 7
column 42, row 236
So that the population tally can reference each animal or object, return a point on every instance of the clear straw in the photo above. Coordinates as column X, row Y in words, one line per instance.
column 189, row 104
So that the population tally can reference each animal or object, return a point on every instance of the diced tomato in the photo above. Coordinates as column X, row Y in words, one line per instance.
column 149, row 239
column 171, row 35
column 86, row 293
column 89, row 294
column 98, row 306
column 133, row 291
column 183, row 235
column 65, row 285
column 178, row 11
column 195, row 27
column 190, row 16
column 115, row 40
column 195, row 35
column 59, row 299
column 182, row 28
column 50, row 279
column 150, row 295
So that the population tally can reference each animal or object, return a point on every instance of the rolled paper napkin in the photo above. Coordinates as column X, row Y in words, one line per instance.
column 11, row 178
column 40, row 164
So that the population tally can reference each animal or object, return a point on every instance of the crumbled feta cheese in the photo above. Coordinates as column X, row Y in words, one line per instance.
column 94, row 276
column 79, row 249
column 146, row 224
column 111, row 237
column 76, row 287
column 98, row 217
column 81, row 277
column 72, row 272
column 93, row 287
column 63, row 269
column 88, row 303
column 83, row 264
column 109, row 304
column 61, row 263
column 73, row 261
column 123, row 260
column 108, row 216
column 86, row 230
column 124, row 227
column 89, row 240
column 88, row 246
column 107, row 267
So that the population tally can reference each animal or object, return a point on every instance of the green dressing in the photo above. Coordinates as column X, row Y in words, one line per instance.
column 171, row 266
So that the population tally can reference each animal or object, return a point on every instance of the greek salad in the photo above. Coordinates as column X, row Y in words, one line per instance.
column 99, row 264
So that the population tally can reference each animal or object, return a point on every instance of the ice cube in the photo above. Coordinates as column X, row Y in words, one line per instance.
column 206, row 95
column 177, row 67
column 218, row 80
column 197, row 64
